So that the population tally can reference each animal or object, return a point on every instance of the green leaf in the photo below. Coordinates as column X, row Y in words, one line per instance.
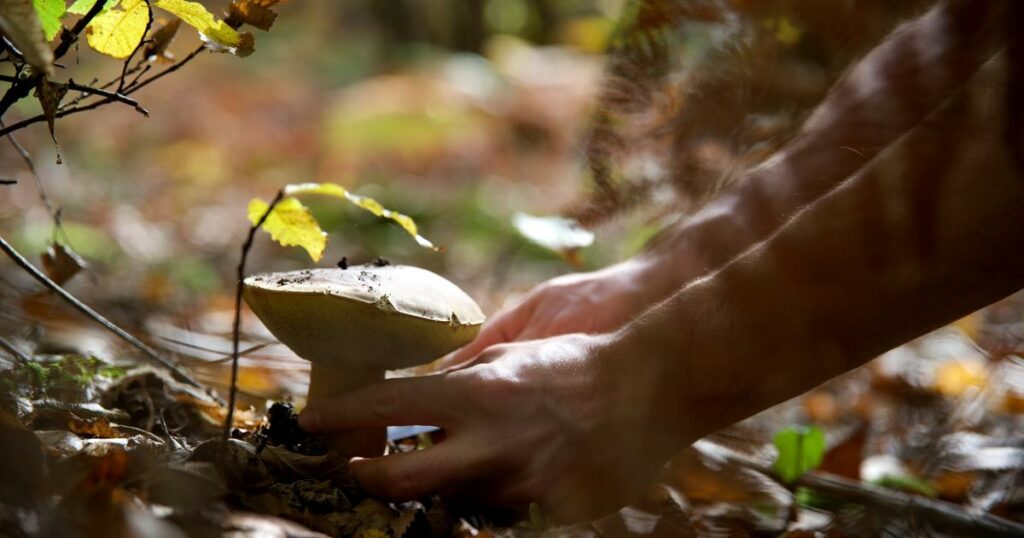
column 800, row 451
column 116, row 32
column 49, row 12
column 81, row 7
column 369, row 204
column 196, row 15
column 290, row 224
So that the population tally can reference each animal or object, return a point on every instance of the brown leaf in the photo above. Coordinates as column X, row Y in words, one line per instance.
column 251, row 12
column 97, row 427
column 61, row 263
column 49, row 95
column 247, row 46
column 21, row 463
column 160, row 39
column 20, row 22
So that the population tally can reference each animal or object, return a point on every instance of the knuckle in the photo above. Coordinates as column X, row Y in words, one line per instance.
column 385, row 401
column 400, row 484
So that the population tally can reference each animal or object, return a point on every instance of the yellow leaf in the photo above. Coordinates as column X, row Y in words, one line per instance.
column 290, row 224
column 369, row 204
column 116, row 32
column 953, row 378
column 195, row 15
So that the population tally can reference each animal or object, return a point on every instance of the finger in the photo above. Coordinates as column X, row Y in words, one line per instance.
column 411, row 475
column 504, row 327
column 426, row 400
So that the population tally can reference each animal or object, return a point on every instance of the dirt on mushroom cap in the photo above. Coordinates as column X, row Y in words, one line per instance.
column 365, row 316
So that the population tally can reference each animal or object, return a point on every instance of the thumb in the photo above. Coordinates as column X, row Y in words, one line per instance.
column 504, row 327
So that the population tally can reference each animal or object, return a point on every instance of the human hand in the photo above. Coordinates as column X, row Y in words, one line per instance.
column 577, row 423
column 589, row 303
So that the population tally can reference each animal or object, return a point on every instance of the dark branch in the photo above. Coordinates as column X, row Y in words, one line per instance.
column 124, row 68
column 25, row 156
column 113, row 96
column 20, row 88
column 237, row 326
column 14, row 351
column 944, row 516
column 147, row 351
column 8, row 181
column 82, row 108
column 70, row 37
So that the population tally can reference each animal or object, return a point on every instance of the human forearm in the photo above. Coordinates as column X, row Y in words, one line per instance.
column 914, row 71
column 927, row 233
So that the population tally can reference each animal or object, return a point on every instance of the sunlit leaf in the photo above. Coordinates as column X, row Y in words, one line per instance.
column 161, row 38
column 50, row 12
column 369, row 204
column 256, row 13
column 81, row 7
column 20, row 23
column 290, row 224
column 800, row 450
column 953, row 378
column 116, row 32
column 553, row 233
column 196, row 15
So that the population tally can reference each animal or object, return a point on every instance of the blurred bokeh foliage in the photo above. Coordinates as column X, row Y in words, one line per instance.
column 458, row 113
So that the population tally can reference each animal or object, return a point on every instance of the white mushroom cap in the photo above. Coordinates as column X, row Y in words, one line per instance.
column 365, row 317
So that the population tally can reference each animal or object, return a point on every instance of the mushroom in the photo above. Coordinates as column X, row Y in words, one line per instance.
column 353, row 324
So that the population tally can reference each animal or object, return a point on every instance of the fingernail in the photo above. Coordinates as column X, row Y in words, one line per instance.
column 309, row 420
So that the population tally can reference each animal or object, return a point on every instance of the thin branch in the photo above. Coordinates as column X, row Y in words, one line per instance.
column 70, row 37
column 25, row 156
column 20, row 89
column 95, row 104
column 8, row 181
column 124, row 68
column 114, row 96
column 945, row 516
column 174, row 67
column 236, row 327
column 14, row 351
column 147, row 351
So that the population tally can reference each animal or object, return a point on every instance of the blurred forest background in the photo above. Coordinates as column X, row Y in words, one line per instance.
column 462, row 114
column 456, row 113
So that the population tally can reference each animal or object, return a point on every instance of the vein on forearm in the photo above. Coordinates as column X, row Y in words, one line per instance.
column 894, row 88
column 929, row 231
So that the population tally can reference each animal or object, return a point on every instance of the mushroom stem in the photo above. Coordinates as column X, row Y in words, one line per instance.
column 326, row 381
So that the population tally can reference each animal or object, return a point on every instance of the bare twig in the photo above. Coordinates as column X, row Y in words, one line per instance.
column 8, row 181
column 70, row 37
column 943, row 515
column 124, row 68
column 236, row 327
column 14, row 351
column 20, row 88
column 114, row 96
column 50, row 208
column 130, row 89
column 147, row 351
column 173, row 67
